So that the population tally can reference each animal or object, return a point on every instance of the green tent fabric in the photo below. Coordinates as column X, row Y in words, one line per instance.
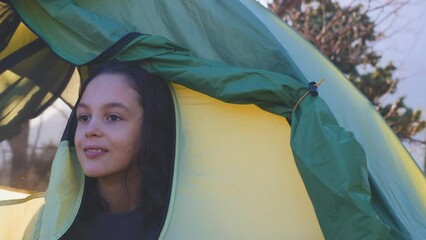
column 239, row 52
column 26, row 87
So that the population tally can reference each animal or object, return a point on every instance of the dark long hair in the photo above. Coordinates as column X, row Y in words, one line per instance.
column 156, row 155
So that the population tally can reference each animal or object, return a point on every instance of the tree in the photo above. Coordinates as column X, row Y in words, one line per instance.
column 347, row 35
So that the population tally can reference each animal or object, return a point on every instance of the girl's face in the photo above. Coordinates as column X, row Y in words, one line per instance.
column 107, row 137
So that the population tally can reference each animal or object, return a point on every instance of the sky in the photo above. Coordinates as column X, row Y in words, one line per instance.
column 405, row 46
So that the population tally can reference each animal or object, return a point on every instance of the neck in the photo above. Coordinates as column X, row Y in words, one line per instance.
column 122, row 192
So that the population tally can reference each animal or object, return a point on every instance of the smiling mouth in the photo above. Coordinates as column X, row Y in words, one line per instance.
column 95, row 150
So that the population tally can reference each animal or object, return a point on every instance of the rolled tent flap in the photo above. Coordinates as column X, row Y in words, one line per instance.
column 245, row 63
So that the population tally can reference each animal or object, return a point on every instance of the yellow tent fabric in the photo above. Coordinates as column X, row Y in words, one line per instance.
column 235, row 161
column 17, row 210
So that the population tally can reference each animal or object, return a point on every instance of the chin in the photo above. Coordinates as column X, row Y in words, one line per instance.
column 91, row 171
column 92, row 174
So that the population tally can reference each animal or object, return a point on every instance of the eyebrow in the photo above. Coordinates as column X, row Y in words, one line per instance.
column 108, row 105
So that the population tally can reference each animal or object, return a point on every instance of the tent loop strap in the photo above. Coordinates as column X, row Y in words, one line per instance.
column 313, row 86
column 22, row 200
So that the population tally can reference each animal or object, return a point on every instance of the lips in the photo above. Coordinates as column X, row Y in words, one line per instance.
column 94, row 151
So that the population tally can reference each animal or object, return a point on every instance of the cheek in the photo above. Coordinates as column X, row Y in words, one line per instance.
column 78, row 137
column 131, row 143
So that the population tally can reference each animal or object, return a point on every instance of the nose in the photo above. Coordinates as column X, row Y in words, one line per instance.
column 93, row 129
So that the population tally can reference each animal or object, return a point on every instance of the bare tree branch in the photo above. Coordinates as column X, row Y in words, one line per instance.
column 387, row 94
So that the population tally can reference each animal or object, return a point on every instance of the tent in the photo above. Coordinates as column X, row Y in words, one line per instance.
column 261, row 152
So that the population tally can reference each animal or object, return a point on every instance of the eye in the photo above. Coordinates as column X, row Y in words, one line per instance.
column 83, row 118
column 113, row 118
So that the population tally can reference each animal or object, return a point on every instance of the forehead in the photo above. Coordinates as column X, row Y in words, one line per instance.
column 106, row 88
